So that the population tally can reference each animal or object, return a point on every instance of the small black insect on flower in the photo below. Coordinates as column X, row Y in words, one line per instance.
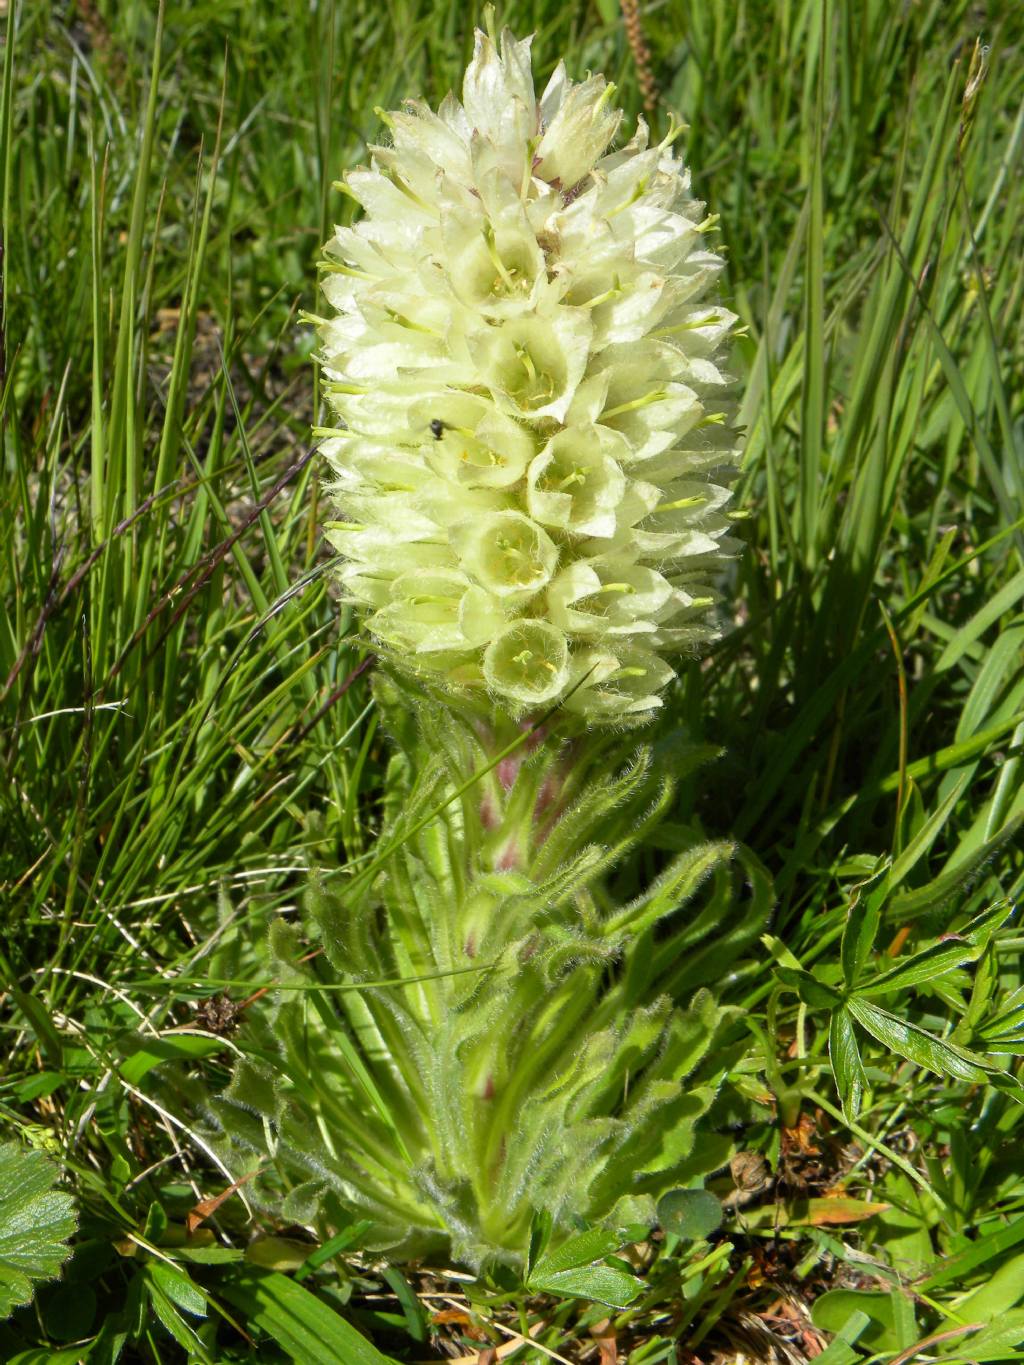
column 437, row 427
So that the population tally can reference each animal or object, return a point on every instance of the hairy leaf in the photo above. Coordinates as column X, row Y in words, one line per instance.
column 35, row 1223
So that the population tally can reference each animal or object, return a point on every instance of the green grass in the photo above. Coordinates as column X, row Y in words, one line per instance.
column 179, row 691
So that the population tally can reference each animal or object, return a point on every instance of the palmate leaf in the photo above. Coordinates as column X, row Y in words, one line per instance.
column 35, row 1222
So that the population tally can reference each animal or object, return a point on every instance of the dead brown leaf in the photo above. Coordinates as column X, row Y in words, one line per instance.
column 198, row 1215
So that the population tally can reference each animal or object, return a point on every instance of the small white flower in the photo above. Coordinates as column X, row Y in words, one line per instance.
column 533, row 459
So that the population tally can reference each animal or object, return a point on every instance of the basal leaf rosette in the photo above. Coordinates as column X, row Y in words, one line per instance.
column 533, row 454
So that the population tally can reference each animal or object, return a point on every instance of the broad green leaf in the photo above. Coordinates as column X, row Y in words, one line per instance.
column 277, row 1253
column 39, row 1086
column 1004, row 1289
column 35, row 1222
column 570, row 1270
column 602, row 1283
column 68, row 1311
column 581, row 1250
column 986, row 1248
column 690, row 1214
column 150, row 1052
column 303, row 1326
column 832, row 1310
column 179, row 1288
column 993, row 1344
column 168, row 1313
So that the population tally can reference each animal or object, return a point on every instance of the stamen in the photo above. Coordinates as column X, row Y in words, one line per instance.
column 527, row 362
column 492, row 251
column 679, row 502
column 694, row 326
column 655, row 396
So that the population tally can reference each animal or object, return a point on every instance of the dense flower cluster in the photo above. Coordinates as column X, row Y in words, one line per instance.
column 534, row 452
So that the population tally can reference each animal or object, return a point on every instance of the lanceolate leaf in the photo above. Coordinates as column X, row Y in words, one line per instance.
column 912, row 904
column 304, row 1327
column 918, row 1046
column 672, row 889
column 922, row 841
column 1004, row 1030
column 862, row 925
column 35, row 1222
column 570, row 1270
column 847, row 1067
column 923, row 967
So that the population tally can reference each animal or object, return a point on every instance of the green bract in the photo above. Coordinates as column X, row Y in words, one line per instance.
column 534, row 449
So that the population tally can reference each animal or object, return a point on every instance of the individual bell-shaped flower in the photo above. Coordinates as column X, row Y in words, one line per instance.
column 574, row 484
column 507, row 553
column 528, row 662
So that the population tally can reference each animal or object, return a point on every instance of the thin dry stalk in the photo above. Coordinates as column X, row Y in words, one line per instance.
column 641, row 54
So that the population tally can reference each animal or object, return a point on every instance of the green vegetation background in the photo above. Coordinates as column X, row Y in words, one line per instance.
column 179, row 688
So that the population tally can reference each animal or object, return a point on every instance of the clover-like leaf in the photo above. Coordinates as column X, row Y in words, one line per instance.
column 689, row 1214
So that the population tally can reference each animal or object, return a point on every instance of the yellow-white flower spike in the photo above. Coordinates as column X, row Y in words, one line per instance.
column 534, row 453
